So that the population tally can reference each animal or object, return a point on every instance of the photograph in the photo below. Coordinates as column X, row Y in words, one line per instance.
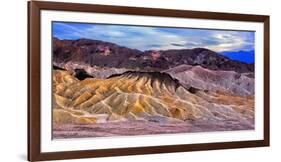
column 129, row 80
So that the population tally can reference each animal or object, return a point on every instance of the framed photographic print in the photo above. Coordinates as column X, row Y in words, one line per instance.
column 115, row 80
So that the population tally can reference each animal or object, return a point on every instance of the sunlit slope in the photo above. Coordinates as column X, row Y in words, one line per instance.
column 141, row 96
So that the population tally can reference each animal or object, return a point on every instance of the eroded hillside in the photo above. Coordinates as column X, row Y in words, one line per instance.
column 152, row 97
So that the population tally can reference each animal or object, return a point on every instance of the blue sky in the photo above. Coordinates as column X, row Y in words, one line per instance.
column 158, row 38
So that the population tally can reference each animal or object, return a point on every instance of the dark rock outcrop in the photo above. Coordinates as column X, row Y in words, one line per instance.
column 81, row 74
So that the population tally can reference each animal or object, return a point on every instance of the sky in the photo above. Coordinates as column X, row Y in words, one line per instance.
column 157, row 38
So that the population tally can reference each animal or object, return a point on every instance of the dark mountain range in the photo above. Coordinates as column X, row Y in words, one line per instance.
column 207, row 59
column 105, row 54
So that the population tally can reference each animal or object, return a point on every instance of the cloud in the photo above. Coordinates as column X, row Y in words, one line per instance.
column 146, row 38
column 177, row 44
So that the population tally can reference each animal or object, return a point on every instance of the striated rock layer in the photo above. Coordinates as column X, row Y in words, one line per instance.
column 237, row 83
column 146, row 97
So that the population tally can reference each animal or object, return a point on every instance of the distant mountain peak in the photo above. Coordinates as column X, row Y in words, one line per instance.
column 241, row 56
